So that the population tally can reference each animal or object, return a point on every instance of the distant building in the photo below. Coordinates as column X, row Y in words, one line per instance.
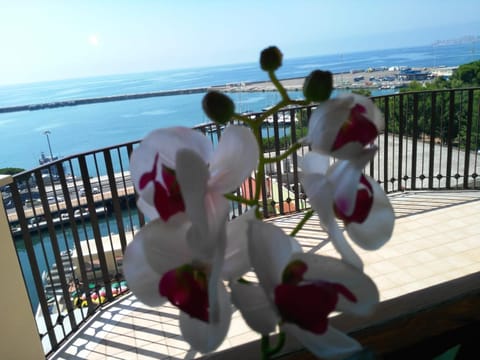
column 410, row 75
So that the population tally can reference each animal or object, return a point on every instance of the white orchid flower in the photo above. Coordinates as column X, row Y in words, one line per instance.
column 185, row 262
column 153, row 165
column 343, row 126
column 342, row 191
column 298, row 291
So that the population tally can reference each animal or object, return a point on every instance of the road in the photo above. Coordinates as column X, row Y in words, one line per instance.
column 123, row 184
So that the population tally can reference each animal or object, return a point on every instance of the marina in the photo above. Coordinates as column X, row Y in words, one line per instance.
column 381, row 79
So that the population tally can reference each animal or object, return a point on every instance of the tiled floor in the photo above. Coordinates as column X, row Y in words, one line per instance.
column 436, row 238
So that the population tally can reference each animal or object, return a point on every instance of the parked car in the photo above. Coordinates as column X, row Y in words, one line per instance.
column 95, row 190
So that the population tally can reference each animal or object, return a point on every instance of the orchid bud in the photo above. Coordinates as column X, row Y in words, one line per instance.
column 318, row 85
column 218, row 107
column 271, row 58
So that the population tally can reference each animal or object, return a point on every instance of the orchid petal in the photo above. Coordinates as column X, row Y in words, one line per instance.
column 342, row 246
column 203, row 336
column 373, row 113
column 255, row 307
column 326, row 121
column 315, row 163
column 266, row 240
column 234, row 159
column 336, row 271
column 332, row 344
column 165, row 245
column 166, row 143
column 320, row 192
column 159, row 149
column 345, row 175
column 192, row 175
column 216, row 272
column 217, row 208
column 141, row 278
column 145, row 203
column 349, row 150
column 237, row 262
column 377, row 228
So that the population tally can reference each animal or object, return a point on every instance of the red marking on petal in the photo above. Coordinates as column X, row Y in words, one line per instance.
column 363, row 204
column 345, row 292
column 168, row 200
column 186, row 288
column 358, row 128
column 309, row 305
column 149, row 176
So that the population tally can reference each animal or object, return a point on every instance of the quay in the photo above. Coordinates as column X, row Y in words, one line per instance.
column 384, row 78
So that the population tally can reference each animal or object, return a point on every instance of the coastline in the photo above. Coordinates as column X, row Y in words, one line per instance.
column 359, row 79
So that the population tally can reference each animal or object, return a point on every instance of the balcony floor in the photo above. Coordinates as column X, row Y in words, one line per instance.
column 436, row 239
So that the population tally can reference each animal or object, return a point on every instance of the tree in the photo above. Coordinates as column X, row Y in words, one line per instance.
column 10, row 171
column 468, row 74
column 364, row 92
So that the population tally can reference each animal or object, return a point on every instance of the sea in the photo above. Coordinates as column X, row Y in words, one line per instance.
column 77, row 129
column 22, row 134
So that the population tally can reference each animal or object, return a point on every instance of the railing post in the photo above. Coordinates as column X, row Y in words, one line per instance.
column 20, row 338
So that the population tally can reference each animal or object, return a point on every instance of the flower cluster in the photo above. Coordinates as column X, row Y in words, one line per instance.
column 193, row 256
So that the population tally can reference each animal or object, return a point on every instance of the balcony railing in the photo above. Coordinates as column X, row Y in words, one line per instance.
column 72, row 218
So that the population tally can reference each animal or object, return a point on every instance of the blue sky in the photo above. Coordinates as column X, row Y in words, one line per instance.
column 50, row 39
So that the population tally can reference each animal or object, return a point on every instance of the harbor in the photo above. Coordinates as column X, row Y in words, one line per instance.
column 57, row 206
column 384, row 78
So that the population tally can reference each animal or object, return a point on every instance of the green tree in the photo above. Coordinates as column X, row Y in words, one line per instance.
column 467, row 74
column 364, row 92
column 10, row 171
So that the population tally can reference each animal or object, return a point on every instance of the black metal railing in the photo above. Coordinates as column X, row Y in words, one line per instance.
column 72, row 218
column 431, row 140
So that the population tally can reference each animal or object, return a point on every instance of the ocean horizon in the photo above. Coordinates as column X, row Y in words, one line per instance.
column 22, row 138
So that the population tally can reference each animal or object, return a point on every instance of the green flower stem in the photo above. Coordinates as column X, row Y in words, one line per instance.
column 260, row 174
column 267, row 351
column 302, row 222
column 244, row 119
column 265, row 343
column 273, row 110
column 280, row 343
column 240, row 199
column 290, row 150
column 279, row 86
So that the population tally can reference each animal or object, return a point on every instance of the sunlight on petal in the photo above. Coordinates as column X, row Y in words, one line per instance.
column 141, row 278
column 377, row 229
column 256, row 308
column 234, row 159
column 265, row 239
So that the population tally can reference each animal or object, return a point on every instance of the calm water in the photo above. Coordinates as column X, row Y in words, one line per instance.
column 82, row 128
column 44, row 252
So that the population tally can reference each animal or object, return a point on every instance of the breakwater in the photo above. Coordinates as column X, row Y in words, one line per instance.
column 103, row 99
